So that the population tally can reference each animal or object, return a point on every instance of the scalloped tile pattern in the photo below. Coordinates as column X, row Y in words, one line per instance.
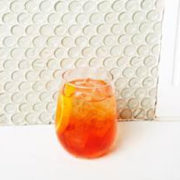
column 41, row 38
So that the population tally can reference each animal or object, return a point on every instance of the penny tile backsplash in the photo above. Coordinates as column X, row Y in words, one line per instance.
column 39, row 39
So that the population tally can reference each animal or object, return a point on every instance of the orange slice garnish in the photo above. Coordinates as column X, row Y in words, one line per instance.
column 64, row 108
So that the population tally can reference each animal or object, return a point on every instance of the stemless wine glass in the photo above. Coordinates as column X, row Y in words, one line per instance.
column 86, row 112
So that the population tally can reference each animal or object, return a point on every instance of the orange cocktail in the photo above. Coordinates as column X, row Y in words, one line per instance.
column 86, row 117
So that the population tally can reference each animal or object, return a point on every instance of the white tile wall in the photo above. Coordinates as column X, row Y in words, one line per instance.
column 41, row 38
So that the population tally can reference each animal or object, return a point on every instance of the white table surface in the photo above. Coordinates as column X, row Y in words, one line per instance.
column 146, row 151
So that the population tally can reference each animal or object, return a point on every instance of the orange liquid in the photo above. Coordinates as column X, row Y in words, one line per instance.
column 86, row 117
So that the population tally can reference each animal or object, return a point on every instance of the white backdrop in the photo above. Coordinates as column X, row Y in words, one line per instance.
column 39, row 39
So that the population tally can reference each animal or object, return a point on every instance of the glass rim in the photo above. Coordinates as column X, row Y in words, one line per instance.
column 107, row 81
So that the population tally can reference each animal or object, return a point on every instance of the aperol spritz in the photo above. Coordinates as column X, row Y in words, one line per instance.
column 86, row 116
